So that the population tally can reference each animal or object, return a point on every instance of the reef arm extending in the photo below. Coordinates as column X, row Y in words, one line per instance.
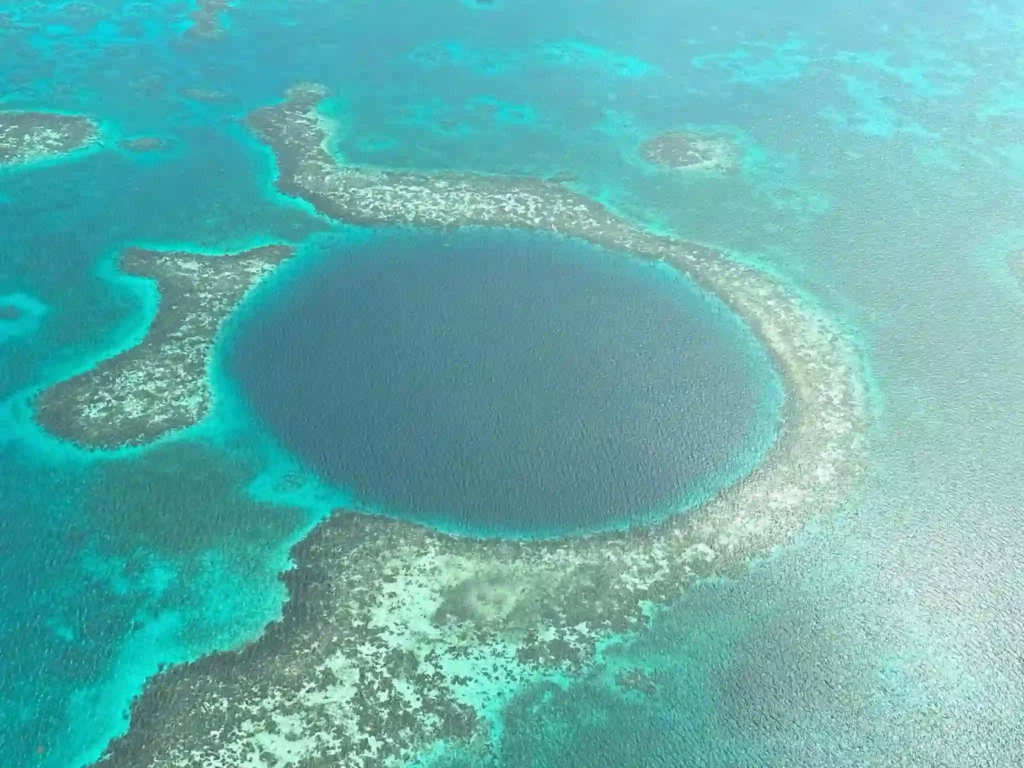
column 397, row 638
column 160, row 384
column 298, row 134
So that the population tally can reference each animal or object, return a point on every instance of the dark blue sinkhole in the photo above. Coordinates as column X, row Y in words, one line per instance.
column 503, row 383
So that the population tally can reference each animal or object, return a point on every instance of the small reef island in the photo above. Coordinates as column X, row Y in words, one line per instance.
column 398, row 639
column 160, row 384
column 27, row 137
column 685, row 151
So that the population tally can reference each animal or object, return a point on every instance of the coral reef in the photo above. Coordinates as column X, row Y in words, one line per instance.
column 10, row 312
column 203, row 95
column 690, row 151
column 142, row 144
column 397, row 638
column 26, row 137
column 160, row 384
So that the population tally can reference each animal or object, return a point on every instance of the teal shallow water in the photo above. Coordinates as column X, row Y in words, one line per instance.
column 881, row 174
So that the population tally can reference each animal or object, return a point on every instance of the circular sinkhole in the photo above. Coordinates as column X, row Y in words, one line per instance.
column 502, row 383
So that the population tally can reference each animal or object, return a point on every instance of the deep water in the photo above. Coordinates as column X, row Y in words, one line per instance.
column 882, row 174
column 499, row 382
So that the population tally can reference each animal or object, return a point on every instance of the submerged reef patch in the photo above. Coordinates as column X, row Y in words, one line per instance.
column 204, row 95
column 397, row 638
column 160, row 384
column 143, row 144
column 691, row 151
column 26, row 137
column 19, row 315
column 10, row 313
column 208, row 19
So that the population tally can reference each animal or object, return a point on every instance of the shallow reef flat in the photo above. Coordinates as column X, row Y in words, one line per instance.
column 691, row 151
column 397, row 638
column 160, row 384
column 26, row 137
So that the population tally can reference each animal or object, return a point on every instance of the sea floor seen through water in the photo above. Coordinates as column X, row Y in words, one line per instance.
column 868, row 165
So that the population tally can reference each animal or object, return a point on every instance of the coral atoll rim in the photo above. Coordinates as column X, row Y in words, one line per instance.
column 397, row 637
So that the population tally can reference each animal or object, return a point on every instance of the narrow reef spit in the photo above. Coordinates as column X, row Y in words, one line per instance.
column 396, row 638
column 26, row 137
column 160, row 384
column 691, row 151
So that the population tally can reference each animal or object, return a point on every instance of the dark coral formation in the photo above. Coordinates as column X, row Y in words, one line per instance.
column 203, row 95
column 690, row 151
column 79, row 16
column 397, row 638
column 160, row 384
column 636, row 681
column 151, row 85
column 372, row 196
column 564, row 177
column 208, row 19
column 142, row 144
column 29, row 136
column 10, row 313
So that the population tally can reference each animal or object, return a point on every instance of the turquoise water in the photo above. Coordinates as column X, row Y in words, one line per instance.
column 503, row 382
column 882, row 172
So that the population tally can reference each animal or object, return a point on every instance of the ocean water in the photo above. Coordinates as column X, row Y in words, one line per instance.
column 504, row 383
column 881, row 172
